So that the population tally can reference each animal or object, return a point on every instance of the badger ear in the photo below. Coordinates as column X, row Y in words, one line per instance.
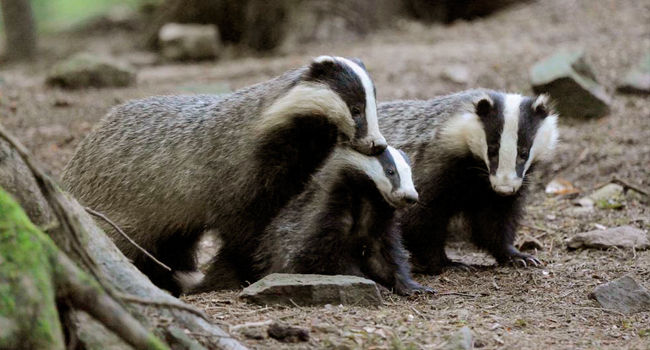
column 359, row 62
column 483, row 106
column 322, row 65
column 543, row 106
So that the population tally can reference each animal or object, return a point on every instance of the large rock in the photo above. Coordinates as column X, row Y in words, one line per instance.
column 188, row 41
column 287, row 289
column 623, row 294
column 572, row 84
column 637, row 80
column 86, row 70
column 622, row 237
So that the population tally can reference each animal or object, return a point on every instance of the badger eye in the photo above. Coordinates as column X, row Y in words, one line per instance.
column 390, row 172
column 355, row 110
column 523, row 154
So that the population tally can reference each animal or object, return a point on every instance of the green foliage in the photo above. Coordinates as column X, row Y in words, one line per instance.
column 55, row 15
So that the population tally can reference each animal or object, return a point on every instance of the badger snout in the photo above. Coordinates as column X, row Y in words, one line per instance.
column 404, row 198
column 505, row 184
column 371, row 146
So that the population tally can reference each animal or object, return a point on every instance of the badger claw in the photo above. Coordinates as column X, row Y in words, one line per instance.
column 412, row 288
column 461, row 266
column 421, row 290
column 521, row 261
column 515, row 257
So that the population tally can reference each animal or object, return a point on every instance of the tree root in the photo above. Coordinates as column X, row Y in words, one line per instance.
column 94, row 284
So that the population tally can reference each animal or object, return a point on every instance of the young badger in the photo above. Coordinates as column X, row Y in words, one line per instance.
column 343, row 222
column 167, row 168
column 471, row 153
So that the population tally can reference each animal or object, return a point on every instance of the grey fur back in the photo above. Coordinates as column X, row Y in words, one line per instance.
column 411, row 124
column 123, row 167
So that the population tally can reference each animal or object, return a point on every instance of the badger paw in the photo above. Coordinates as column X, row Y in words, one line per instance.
column 461, row 266
column 411, row 287
column 517, row 258
column 525, row 260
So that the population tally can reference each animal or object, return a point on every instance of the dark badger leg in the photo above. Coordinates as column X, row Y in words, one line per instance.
column 387, row 263
column 425, row 234
column 177, row 251
column 494, row 227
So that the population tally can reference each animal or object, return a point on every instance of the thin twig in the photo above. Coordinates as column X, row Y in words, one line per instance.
column 636, row 188
column 250, row 324
column 538, row 228
column 463, row 294
column 184, row 307
column 119, row 230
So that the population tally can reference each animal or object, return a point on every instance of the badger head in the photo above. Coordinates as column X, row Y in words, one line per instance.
column 391, row 173
column 350, row 81
column 509, row 133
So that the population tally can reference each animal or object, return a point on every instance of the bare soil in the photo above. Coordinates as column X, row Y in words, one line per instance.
column 505, row 307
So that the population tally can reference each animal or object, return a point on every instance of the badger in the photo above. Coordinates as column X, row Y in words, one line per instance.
column 471, row 152
column 168, row 168
column 343, row 222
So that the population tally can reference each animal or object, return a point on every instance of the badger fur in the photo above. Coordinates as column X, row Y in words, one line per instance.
column 167, row 168
column 471, row 152
column 343, row 222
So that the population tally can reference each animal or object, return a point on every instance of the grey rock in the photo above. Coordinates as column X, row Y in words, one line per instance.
column 622, row 237
column 571, row 83
column 287, row 289
column 637, row 80
column 188, row 41
column 623, row 294
column 610, row 196
column 461, row 340
column 87, row 70
column 607, row 192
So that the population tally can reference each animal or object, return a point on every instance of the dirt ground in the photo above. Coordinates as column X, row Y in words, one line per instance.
column 505, row 307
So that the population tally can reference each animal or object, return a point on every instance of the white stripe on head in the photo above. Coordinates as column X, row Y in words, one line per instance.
column 404, row 171
column 371, row 103
column 544, row 142
column 506, row 179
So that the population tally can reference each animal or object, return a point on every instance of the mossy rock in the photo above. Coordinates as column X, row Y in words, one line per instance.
column 28, row 315
column 86, row 70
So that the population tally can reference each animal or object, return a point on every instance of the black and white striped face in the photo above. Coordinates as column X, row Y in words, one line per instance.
column 517, row 131
column 349, row 79
column 391, row 173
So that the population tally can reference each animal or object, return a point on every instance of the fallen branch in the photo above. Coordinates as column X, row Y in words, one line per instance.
column 636, row 188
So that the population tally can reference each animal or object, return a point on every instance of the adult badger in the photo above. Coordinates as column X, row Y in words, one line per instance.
column 343, row 222
column 167, row 168
column 471, row 152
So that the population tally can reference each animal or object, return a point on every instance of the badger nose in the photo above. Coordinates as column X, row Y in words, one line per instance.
column 410, row 198
column 377, row 147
